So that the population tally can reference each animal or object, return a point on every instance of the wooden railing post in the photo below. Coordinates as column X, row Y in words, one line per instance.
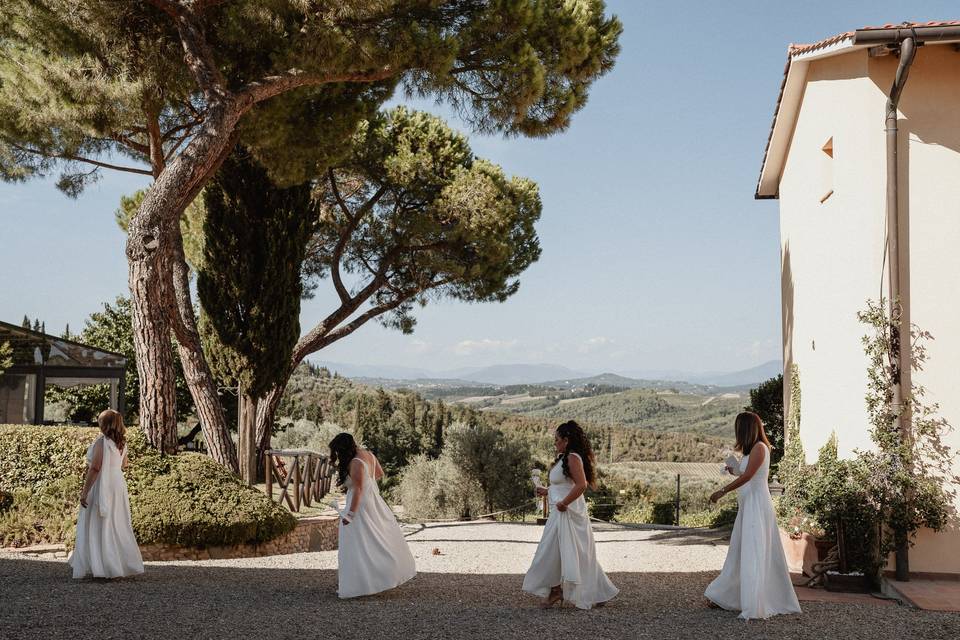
column 296, row 483
column 307, row 475
column 268, row 474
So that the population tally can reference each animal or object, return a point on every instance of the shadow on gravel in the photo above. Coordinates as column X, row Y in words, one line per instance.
column 39, row 600
column 692, row 536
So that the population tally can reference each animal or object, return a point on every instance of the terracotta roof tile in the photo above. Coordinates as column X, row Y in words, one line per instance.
column 797, row 49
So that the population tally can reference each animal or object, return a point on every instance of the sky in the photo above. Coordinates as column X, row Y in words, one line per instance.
column 655, row 254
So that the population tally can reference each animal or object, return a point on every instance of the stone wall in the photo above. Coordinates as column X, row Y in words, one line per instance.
column 312, row 534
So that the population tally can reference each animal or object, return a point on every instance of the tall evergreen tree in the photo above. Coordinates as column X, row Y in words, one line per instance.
column 439, row 426
column 766, row 400
column 255, row 238
column 164, row 88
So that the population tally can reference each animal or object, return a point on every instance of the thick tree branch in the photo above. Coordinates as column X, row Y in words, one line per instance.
column 342, row 332
column 127, row 141
column 353, row 220
column 158, row 160
column 358, row 322
column 170, row 133
column 270, row 86
column 307, row 344
column 176, row 145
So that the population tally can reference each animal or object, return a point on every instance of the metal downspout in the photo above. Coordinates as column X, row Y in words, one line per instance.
column 907, row 53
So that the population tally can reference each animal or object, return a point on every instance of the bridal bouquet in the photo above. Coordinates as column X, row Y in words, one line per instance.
column 535, row 478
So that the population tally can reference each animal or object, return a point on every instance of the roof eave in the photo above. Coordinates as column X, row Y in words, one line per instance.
column 786, row 111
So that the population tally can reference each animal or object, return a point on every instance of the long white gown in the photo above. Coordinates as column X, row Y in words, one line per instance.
column 755, row 580
column 106, row 546
column 372, row 555
column 567, row 554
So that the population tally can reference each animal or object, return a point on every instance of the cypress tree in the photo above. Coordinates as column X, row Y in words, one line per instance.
column 249, row 284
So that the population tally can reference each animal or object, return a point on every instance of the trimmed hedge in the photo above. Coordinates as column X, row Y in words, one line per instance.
column 187, row 499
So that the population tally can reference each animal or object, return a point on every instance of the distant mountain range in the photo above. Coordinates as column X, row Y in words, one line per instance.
column 752, row 375
column 551, row 375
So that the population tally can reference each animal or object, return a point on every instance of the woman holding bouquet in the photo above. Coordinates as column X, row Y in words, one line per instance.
column 565, row 566
column 755, row 580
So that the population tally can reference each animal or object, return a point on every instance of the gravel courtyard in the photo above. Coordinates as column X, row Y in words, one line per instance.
column 470, row 589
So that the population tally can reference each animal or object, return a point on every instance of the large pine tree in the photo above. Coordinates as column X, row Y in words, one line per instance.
column 164, row 88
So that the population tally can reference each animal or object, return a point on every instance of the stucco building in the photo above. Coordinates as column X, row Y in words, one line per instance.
column 827, row 162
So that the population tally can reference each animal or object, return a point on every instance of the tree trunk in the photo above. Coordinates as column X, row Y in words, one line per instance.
column 266, row 413
column 151, row 248
column 151, row 341
column 247, row 437
column 213, row 421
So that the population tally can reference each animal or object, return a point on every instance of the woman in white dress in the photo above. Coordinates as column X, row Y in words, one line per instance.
column 105, row 545
column 755, row 580
column 565, row 566
column 372, row 555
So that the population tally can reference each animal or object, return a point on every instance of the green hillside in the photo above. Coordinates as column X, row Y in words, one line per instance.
column 681, row 430
column 642, row 408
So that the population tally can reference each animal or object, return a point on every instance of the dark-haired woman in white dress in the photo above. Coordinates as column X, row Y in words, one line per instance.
column 755, row 580
column 372, row 554
column 565, row 566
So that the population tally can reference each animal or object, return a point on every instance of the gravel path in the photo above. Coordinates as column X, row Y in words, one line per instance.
column 470, row 590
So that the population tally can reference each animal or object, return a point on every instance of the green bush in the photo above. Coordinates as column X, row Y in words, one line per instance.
column 725, row 516
column 186, row 499
column 601, row 502
column 33, row 457
column 635, row 513
column 47, row 515
column 663, row 513
column 436, row 489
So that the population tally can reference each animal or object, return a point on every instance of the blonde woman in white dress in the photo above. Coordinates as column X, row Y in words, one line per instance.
column 372, row 555
column 755, row 580
column 106, row 546
column 565, row 567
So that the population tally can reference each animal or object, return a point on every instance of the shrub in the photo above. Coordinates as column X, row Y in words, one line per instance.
column 663, row 513
column 498, row 464
column 187, row 499
column 640, row 512
column 305, row 434
column 436, row 489
column 601, row 502
column 33, row 457
column 47, row 515
column 199, row 503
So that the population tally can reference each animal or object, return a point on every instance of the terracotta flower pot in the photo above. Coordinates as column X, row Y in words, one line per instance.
column 801, row 552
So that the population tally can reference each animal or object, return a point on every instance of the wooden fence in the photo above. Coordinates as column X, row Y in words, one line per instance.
column 303, row 476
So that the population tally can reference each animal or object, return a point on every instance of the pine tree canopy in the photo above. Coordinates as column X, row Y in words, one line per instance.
column 92, row 84
column 410, row 214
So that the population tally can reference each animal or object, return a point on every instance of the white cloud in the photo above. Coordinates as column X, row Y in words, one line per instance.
column 486, row 345
column 419, row 347
column 595, row 344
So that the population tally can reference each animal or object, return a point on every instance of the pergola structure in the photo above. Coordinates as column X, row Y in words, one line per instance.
column 40, row 359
